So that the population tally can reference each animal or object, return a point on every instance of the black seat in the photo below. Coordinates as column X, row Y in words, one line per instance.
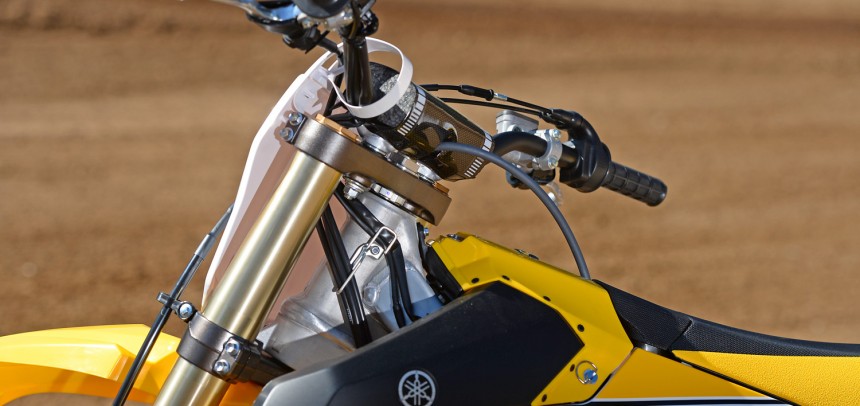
column 668, row 330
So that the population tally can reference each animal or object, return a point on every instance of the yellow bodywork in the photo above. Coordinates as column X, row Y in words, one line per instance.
column 475, row 262
column 94, row 360
column 632, row 374
column 90, row 361
column 802, row 380
column 638, row 375
column 650, row 376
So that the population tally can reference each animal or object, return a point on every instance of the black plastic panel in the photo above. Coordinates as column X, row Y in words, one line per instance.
column 496, row 346
column 668, row 330
column 440, row 279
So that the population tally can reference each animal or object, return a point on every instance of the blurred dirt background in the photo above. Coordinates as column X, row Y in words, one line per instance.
column 124, row 127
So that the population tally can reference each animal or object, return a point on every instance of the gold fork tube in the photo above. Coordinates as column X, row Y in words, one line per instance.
column 258, row 272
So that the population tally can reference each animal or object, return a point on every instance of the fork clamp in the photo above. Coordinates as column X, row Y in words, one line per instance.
column 221, row 353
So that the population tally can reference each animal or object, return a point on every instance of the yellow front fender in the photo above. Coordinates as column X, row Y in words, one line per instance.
column 91, row 361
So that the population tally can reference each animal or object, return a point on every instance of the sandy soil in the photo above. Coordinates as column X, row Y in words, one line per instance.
column 124, row 128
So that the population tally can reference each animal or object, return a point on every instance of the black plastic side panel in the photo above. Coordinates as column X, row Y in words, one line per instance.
column 446, row 286
column 668, row 330
column 496, row 346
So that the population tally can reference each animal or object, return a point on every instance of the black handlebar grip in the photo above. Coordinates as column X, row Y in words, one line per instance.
column 635, row 184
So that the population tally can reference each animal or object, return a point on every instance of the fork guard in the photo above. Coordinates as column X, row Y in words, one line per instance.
column 91, row 361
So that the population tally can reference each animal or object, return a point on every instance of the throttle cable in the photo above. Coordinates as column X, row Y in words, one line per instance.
column 535, row 188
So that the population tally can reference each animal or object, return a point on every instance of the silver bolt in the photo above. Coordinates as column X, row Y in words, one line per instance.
column 221, row 367
column 553, row 162
column 555, row 134
column 375, row 250
column 351, row 193
column 589, row 376
column 586, row 373
column 232, row 348
column 186, row 310
column 286, row 133
column 352, row 189
column 294, row 118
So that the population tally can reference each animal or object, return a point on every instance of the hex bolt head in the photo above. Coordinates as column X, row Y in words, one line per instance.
column 555, row 134
column 232, row 348
column 186, row 310
column 287, row 133
column 351, row 193
column 375, row 250
column 221, row 367
column 352, row 189
column 294, row 118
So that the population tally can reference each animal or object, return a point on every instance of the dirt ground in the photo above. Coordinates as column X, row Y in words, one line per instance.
column 124, row 127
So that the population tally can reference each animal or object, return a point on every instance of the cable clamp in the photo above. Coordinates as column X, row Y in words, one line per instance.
column 184, row 310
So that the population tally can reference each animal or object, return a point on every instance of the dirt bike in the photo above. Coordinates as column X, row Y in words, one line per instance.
column 390, row 316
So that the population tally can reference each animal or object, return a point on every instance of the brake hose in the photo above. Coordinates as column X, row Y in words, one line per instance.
column 535, row 188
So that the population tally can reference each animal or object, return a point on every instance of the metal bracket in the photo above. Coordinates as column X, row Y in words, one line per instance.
column 340, row 149
column 508, row 120
column 549, row 160
column 226, row 355
column 371, row 248
column 341, row 19
column 290, row 126
column 184, row 310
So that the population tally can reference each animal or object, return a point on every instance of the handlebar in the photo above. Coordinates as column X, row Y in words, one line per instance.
column 510, row 141
column 587, row 166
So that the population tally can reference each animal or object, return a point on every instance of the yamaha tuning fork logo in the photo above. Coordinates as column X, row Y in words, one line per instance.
column 417, row 388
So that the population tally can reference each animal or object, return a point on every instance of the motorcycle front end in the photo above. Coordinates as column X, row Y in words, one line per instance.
column 391, row 316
